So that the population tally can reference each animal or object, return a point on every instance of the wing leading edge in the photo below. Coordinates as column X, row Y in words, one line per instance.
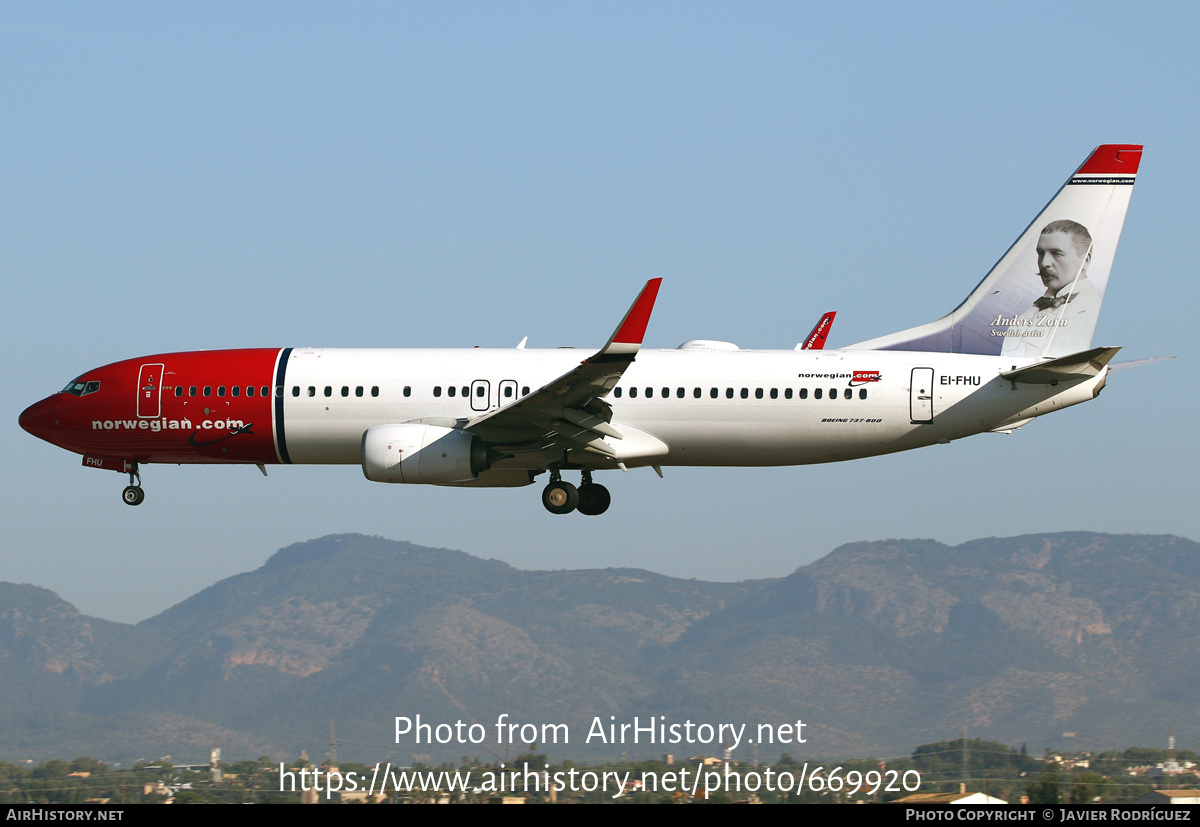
column 570, row 412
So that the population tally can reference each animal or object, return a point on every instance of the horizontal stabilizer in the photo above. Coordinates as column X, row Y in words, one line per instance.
column 1076, row 366
column 1137, row 363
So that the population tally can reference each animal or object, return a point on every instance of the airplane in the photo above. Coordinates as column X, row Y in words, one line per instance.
column 1018, row 347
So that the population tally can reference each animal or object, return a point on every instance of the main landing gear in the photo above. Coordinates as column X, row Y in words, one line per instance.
column 561, row 497
column 133, row 493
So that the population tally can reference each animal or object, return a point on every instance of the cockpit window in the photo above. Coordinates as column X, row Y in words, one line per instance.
column 80, row 388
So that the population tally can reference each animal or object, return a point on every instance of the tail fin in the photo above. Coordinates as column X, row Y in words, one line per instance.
column 1042, row 298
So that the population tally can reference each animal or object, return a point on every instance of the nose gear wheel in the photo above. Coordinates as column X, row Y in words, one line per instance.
column 133, row 493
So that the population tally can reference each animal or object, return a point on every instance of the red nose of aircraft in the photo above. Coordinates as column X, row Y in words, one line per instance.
column 40, row 419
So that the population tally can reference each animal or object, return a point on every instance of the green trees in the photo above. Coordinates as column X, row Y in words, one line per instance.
column 1046, row 789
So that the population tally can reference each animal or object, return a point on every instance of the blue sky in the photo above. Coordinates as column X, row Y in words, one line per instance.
column 216, row 175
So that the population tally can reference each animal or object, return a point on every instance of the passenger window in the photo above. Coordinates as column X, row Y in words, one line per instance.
column 848, row 393
column 787, row 393
column 862, row 393
column 358, row 390
column 679, row 393
column 758, row 393
column 220, row 390
column 833, row 393
column 617, row 392
column 192, row 390
column 295, row 390
column 478, row 391
column 804, row 393
column 696, row 393
column 508, row 391
column 328, row 390
column 375, row 390
column 437, row 390
column 407, row 391
column 745, row 393
column 729, row 393
column 633, row 393
column 179, row 390
column 235, row 391
column 817, row 393
column 666, row 393
column 649, row 393
column 713, row 393
column 208, row 390
column 774, row 393
column 312, row 391
column 525, row 391
column 345, row 390
column 249, row 390
column 450, row 391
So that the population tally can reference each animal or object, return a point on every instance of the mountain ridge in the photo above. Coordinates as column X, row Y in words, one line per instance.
column 880, row 645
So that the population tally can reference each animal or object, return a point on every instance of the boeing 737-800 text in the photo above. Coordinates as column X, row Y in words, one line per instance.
column 1019, row 346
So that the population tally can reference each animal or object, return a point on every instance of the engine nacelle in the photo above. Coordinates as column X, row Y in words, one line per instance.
column 422, row 454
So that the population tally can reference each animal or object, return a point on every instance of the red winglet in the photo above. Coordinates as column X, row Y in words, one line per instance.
column 816, row 339
column 1113, row 159
column 633, row 326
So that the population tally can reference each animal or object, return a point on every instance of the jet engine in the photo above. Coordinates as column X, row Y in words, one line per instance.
column 415, row 453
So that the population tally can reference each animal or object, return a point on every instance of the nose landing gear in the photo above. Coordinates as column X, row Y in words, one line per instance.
column 561, row 497
column 133, row 493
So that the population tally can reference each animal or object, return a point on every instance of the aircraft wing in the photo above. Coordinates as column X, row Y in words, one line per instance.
column 570, row 412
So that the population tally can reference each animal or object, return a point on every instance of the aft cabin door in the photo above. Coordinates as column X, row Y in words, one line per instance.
column 149, row 401
column 920, row 395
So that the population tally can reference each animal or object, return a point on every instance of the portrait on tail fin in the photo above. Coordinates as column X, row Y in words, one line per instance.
column 1064, row 251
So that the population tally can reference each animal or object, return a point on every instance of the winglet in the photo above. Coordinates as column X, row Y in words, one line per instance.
column 627, row 338
column 816, row 339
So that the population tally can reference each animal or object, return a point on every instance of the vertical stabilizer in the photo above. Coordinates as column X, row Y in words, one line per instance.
column 1042, row 298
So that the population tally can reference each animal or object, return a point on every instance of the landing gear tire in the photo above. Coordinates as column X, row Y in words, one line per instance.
column 593, row 499
column 560, row 497
column 133, row 495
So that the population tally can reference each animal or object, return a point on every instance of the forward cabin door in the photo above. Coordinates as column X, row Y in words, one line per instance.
column 920, row 396
column 149, row 393
column 481, row 395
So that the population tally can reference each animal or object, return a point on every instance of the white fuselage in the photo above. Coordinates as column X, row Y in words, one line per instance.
column 677, row 407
